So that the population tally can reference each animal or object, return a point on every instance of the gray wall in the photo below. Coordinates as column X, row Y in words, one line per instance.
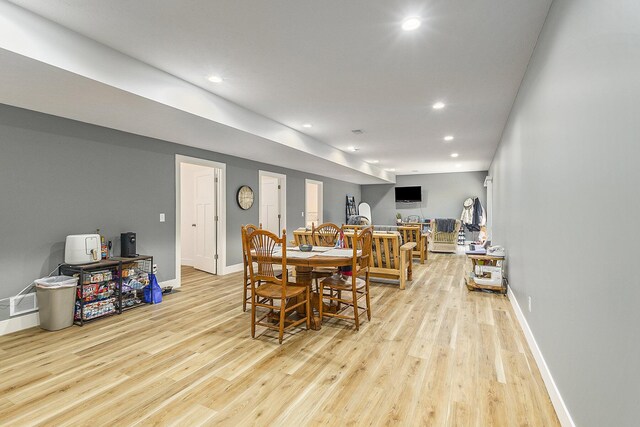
column 60, row 177
column 565, row 184
column 442, row 196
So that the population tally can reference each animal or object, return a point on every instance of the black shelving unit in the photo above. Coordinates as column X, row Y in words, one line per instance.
column 134, row 277
column 109, row 286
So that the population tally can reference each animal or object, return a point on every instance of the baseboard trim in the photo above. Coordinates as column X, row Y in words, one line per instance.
column 175, row 283
column 19, row 323
column 554, row 394
column 232, row 269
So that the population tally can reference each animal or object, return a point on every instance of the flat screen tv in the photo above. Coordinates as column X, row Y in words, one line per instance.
column 409, row 194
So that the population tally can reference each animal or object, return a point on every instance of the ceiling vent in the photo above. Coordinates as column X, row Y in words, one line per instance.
column 357, row 131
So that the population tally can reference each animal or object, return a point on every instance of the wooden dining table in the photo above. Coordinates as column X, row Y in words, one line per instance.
column 304, row 268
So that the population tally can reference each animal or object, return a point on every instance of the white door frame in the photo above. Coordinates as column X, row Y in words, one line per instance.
column 221, row 212
column 282, row 180
column 320, row 185
column 488, row 183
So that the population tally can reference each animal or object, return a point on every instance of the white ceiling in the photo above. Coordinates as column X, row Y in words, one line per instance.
column 340, row 65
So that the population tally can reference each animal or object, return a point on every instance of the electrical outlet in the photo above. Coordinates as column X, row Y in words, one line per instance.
column 302, row 213
column 161, row 217
column 529, row 304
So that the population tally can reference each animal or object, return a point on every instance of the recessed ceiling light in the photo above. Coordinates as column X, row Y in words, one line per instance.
column 438, row 106
column 215, row 79
column 354, row 149
column 374, row 161
column 448, row 138
column 454, row 155
column 307, row 125
column 390, row 170
column 411, row 23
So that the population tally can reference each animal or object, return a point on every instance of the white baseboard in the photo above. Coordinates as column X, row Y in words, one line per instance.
column 175, row 283
column 556, row 399
column 233, row 269
column 19, row 323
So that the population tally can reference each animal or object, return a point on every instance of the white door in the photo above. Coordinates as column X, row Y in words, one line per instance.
column 205, row 212
column 313, row 202
column 272, row 201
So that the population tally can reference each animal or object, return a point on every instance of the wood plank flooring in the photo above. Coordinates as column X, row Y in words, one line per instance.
column 432, row 355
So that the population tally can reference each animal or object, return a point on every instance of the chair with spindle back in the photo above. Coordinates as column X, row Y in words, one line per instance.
column 244, row 231
column 326, row 234
column 359, row 288
column 262, row 249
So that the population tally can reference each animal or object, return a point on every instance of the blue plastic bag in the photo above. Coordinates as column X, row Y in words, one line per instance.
column 153, row 291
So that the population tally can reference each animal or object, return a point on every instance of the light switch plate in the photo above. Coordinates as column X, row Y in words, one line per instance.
column 161, row 217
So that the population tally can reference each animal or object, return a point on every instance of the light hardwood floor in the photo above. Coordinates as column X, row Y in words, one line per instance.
column 432, row 355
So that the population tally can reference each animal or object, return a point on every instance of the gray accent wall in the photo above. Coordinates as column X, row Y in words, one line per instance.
column 60, row 177
column 442, row 196
column 566, row 181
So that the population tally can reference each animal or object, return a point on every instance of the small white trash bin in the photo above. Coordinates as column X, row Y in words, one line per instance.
column 56, row 301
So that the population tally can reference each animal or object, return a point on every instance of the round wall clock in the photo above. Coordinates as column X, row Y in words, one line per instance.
column 245, row 197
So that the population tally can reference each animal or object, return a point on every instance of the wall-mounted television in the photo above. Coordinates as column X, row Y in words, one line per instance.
column 409, row 194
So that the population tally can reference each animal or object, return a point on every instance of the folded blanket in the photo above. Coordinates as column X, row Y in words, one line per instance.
column 445, row 225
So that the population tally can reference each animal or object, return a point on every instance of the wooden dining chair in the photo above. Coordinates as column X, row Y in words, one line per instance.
column 326, row 234
column 244, row 231
column 262, row 249
column 356, row 284
column 413, row 233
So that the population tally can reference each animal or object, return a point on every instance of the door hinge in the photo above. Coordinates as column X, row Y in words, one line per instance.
column 279, row 216
column 215, row 218
column 279, row 187
column 216, row 180
column 215, row 257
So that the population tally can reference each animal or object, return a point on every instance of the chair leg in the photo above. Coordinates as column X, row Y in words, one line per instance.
column 321, row 304
column 355, row 308
column 368, row 299
column 309, row 309
column 283, row 304
column 253, row 314
column 244, row 293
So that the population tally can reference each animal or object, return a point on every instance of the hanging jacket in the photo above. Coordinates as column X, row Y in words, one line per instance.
column 478, row 213
column 477, row 216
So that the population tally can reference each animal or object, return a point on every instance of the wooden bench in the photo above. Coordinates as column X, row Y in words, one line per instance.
column 389, row 260
column 410, row 232
column 413, row 233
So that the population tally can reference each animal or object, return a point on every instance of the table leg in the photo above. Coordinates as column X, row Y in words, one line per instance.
column 303, row 277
